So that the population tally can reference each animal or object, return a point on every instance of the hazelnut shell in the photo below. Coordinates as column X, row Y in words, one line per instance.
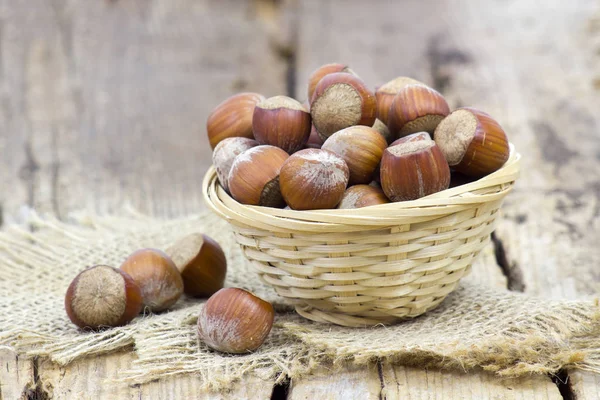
column 385, row 95
column 412, row 170
column 235, row 321
column 254, row 176
column 341, row 100
column 416, row 108
column 472, row 142
column 313, row 179
column 359, row 196
column 225, row 153
column 102, row 296
column 361, row 148
column 201, row 262
column 232, row 118
column 323, row 70
column 157, row 276
column 283, row 122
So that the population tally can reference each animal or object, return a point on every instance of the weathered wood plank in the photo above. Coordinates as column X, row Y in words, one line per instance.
column 88, row 379
column 106, row 102
column 16, row 375
column 403, row 383
column 353, row 384
column 584, row 385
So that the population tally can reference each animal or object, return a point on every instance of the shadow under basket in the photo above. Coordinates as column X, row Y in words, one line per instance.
column 371, row 265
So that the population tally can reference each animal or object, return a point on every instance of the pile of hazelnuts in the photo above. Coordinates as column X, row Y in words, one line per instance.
column 348, row 147
column 233, row 320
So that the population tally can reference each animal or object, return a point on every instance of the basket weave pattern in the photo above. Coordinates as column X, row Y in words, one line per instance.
column 371, row 265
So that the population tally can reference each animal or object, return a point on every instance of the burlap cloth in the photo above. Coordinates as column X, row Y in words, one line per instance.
column 476, row 327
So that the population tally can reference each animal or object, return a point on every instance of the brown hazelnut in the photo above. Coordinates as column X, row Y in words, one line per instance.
column 281, row 121
column 412, row 170
column 225, row 153
column 361, row 148
column 102, row 296
column 157, row 276
column 232, row 118
column 323, row 70
column 359, row 196
column 385, row 95
column 201, row 262
column 472, row 142
column 409, row 138
column 235, row 321
column 416, row 108
column 341, row 100
column 413, row 137
column 254, row 176
column 313, row 179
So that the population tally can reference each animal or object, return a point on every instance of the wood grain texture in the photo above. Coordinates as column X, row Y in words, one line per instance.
column 105, row 103
column 354, row 384
column 399, row 384
column 584, row 385
column 87, row 379
column 16, row 375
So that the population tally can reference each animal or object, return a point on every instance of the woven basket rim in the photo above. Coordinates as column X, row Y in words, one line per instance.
column 491, row 188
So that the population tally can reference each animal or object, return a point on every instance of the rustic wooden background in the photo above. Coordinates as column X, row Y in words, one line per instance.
column 103, row 103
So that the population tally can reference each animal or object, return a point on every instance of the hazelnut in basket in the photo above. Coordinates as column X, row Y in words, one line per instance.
column 313, row 179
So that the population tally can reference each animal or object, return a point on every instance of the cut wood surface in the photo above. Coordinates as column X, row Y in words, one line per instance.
column 104, row 103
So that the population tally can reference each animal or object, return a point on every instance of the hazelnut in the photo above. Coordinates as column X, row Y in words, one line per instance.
column 201, row 262
column 385, row 95
column 323, row 70
column 102, row 296
column 361, row 148
column 341, row 100
column 157, row 276
column 254, row 176
column 232, row 118
column 313, row 179
column 409, row 138
column 412, row 170
column 383, row 130
column 314, row 140
column 224, row 154
column 235, row 321
column 413, row 137
column 359, row 196
column 416, row 108
column 281, row 121
column 472, row 142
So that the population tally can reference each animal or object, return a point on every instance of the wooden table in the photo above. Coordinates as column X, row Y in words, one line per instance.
column 104, row 103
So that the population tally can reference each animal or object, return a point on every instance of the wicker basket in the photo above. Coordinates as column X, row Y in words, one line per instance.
column 370, row 265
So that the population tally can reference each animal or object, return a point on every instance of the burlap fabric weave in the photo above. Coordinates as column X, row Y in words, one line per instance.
column 475, row 327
